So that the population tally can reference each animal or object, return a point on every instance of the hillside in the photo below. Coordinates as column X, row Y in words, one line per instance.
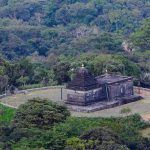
column 41, row 41
column 68, row 27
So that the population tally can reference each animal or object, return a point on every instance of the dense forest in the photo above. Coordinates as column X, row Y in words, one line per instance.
column 69, row 26
column 42, row 40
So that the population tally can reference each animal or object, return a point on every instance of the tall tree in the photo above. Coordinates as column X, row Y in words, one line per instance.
column 141, row 38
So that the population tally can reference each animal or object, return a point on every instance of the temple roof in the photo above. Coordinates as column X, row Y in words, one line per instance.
column 83, row 80
column 111, row 78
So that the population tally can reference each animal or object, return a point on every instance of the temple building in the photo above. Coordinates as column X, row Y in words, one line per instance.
column 85, row 89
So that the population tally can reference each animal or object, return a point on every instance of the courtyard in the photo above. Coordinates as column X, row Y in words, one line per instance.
column 141, row 107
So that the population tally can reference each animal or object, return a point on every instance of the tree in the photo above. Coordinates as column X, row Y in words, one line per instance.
column 141, row 38
column 99, row 138
column 40, row 113
column 109, row 42
column 3, row 82
column 23, row 80
column 145, row 80
column 61, row 71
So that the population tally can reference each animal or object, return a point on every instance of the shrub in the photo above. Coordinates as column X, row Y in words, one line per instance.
column 125, row 110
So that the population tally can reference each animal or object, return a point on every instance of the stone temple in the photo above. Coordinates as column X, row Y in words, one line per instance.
column 100, row 92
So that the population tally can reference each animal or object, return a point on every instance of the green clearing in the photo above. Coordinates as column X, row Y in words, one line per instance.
column 6, row 113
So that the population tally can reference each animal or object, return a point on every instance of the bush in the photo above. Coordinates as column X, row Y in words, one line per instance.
column 32, row 86
column 125, row 110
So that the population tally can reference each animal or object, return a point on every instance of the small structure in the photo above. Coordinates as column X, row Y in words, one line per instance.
column 86, row 90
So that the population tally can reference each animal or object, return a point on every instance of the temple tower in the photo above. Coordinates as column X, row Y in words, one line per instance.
column 83, row 89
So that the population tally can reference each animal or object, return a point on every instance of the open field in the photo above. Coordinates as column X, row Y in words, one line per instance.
column 141, row 107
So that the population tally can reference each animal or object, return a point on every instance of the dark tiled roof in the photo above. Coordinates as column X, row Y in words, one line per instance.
column 108, row 78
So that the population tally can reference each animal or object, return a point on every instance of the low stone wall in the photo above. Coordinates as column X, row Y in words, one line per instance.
column 142, row 91
column 32, row 90
column 2, row 96
column 9, row 105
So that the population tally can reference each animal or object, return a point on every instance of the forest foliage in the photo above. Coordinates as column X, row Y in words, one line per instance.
column 35, row 71
column 42, row 41
column 70, row 27
column 62, row 132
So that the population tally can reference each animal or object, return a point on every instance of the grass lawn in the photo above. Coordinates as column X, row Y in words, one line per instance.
column 6, row 113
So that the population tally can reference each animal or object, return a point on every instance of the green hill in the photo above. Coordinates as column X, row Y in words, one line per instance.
column 56, row 36
column 68, row 26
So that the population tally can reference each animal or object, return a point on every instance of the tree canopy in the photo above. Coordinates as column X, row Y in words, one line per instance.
column 40, row 113
column 69, row 27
